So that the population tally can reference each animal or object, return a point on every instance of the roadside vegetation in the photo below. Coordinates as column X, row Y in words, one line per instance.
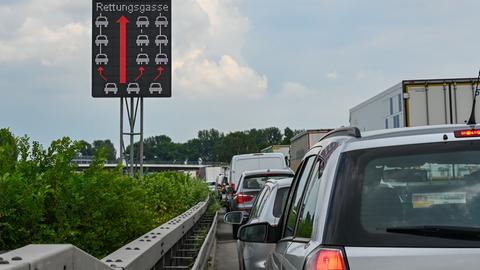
column 43, row 199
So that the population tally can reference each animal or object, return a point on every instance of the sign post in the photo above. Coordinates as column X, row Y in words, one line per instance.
column 131, row 60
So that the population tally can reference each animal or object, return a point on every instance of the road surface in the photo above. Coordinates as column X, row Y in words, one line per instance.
column 226, row 251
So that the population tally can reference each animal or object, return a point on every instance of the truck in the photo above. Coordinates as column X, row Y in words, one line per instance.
column 284, row 149
column 412, row 103
column 301, row 143
column 252, row 162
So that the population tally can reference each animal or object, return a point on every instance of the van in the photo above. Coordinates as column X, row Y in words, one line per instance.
column 252, row 162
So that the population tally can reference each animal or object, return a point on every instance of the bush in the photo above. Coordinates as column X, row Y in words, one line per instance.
column 43, row 199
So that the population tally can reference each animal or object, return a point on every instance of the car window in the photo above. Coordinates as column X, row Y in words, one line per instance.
column 382, row 195
column 261, row 205
column 300, row 181
column 305, row 223
column 258, row 181
column 280, row 200
column 309, row 204
column 256, row 204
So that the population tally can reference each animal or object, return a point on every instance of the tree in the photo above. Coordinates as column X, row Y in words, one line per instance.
column 207, row 140
column 110, row 152
column 86, row 149
column 8, row 151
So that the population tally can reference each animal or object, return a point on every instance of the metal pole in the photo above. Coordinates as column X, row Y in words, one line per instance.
column 121, row 130
column 141, row 136
column 132, row 131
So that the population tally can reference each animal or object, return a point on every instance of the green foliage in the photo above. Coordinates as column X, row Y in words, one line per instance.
column 43, row 199
column 213, row 146
column 88, row 150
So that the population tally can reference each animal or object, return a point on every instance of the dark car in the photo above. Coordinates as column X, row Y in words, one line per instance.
column 249, row 186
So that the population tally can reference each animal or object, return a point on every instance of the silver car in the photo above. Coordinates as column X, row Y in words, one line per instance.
column 393, row 199
column 268, row 207
column 249, row 186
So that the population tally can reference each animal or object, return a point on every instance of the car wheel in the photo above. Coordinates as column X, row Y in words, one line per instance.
column 235, row 228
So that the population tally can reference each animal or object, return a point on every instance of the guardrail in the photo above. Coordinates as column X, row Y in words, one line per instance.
column 145, row 253
column 206, row 249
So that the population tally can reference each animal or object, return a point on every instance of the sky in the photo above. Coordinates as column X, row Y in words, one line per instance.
column 237, row 64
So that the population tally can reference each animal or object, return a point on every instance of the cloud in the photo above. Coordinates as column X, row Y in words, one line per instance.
column 197, row 76
column 207, row 52
column 294, row 90
column 333, row 75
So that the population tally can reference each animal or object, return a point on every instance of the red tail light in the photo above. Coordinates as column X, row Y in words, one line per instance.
column 242, row 198
column 326, row 259
column 467, row 133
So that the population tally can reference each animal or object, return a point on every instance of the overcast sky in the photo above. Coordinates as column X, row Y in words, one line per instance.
column 238, row 64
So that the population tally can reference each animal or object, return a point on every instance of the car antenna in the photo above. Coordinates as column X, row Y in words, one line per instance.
column 471, row 120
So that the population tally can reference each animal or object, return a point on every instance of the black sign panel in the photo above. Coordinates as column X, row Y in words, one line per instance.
column 132, row 53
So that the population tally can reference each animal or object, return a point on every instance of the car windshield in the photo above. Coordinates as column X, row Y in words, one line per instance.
column 258, row 181
column 384, row 193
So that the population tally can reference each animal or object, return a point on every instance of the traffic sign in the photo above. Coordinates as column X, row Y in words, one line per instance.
column 131, row 48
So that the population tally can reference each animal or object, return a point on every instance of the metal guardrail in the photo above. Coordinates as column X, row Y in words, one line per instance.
column 143, row 253
column 206, row 249
column 49, row 257
column 146, row 251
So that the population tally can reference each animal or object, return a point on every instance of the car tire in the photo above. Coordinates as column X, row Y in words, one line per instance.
column 235, row 228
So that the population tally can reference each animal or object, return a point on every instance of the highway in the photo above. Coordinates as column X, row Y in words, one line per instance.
column 226, row 250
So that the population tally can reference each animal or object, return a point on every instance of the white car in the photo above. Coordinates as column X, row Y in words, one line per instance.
column 161, row 40
column 133, row 88
column 101, row 58
column 161, row 59
column 101, row 40
column 111, row 87
column 155, row 88
column 142, row 58
column 142, row 21
column 143, row 40
column 101, row 21
column 161, row 21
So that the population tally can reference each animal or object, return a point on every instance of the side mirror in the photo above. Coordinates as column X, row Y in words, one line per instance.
column 235, row 217
column 259, row 233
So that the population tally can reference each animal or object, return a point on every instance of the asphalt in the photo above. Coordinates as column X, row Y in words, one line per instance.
column 226, row 257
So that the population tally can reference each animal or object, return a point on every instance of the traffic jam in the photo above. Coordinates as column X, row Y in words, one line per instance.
column 394, row 192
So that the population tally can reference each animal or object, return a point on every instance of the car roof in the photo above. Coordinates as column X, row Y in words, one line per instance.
column 281, row 183
column 398, row 136
column 267, row 171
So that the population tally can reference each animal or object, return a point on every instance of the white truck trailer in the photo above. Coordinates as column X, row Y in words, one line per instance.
column 417, row 103
column 301, row 143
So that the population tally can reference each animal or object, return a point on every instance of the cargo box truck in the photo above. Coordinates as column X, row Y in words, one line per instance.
column 301, row 143
column 417, row 103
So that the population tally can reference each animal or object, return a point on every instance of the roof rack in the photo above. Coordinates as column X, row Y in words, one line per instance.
column 344, row 131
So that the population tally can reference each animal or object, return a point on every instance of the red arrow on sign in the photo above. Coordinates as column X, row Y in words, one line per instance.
column 123, row 49
column 160, row 70
column 100, row 72
column 141, row 69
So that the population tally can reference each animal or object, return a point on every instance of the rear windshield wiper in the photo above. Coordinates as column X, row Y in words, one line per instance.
column 453, row 232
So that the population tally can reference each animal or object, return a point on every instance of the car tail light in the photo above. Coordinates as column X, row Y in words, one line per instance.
column 242, row 198
column 326, row 259
column 467, row 133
